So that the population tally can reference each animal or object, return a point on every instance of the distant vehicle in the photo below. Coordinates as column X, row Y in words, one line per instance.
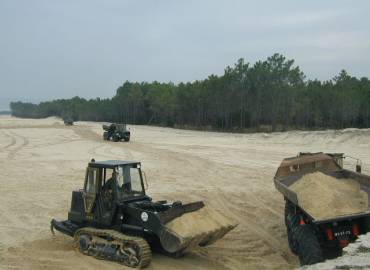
column 116, row 132
column 68, row 121
column 313, row 240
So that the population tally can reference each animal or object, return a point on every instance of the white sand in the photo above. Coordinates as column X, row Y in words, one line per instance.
column 42, row 161
column 324, row 196
column 203, row 221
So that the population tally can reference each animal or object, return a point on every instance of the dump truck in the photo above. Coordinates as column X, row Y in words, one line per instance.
column 113, row 218
column 116, row 132
column 319, row 226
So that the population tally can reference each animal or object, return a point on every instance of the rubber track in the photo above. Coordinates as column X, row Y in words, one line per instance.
column 146, row 254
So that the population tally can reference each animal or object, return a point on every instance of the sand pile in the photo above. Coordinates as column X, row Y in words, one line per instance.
column 324, row 196
column 202, row 221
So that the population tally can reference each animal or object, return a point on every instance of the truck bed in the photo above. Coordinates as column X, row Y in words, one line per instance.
column 284, row 183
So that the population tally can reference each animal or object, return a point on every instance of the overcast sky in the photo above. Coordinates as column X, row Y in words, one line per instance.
column 60, row 49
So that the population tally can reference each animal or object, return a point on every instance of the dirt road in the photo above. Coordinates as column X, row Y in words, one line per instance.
column 42, row 161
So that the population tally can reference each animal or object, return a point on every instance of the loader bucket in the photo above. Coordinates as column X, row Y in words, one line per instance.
column 198, row 228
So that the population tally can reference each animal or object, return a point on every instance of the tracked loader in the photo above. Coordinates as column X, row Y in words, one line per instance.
column 113, row 218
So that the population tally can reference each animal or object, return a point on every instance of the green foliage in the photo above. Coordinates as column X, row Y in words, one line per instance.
column 269, row 95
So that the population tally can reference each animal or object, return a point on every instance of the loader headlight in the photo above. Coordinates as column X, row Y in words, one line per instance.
column 144, row 216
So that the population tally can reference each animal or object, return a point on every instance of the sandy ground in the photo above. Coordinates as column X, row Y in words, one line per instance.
column 42, row 161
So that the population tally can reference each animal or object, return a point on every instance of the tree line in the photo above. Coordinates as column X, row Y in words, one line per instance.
column 270, row 95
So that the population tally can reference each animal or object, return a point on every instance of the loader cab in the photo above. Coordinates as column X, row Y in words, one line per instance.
column 122, row 179
column 107, row 183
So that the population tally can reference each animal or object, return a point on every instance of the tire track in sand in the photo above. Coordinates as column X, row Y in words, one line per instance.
column 13, row 147
column 104, row 148
column 11, row 143
column 86, row 133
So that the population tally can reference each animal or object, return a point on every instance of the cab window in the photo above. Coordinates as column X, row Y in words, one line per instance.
column 128, row 181
column 92, row 177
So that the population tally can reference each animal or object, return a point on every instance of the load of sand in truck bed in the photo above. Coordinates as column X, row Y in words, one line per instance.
column 323, row 196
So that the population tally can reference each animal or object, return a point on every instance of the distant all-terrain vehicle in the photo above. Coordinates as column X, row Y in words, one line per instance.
column 112, row 218
column 338, row 216
column 68, row 121
column 116, row 132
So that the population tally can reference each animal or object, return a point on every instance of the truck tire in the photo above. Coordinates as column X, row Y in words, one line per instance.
column 291, row 223
column 332, row 252
column 293, row 245
column 105, row 136
column 309, row 250
column 115, row 138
